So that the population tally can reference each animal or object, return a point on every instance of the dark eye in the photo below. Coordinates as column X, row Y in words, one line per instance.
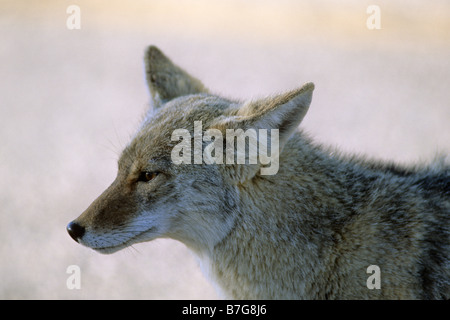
column 147, row 176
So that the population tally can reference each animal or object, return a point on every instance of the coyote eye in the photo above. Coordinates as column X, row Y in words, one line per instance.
column 147, row 176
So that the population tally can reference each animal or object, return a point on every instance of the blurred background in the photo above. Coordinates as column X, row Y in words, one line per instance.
column 70, row 100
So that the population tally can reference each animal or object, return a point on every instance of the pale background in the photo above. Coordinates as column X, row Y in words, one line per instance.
column 70, row 99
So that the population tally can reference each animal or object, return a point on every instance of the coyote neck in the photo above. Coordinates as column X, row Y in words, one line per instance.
column 267, row 236
column 250, row 263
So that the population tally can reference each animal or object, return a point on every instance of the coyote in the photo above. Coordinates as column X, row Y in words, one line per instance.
column 310, row 230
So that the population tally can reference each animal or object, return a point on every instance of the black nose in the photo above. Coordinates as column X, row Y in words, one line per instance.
column 75, row 230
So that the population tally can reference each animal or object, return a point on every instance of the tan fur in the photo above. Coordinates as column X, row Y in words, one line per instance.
column 310, row 231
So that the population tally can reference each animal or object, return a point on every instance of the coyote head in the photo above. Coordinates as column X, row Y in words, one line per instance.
column 196, row 200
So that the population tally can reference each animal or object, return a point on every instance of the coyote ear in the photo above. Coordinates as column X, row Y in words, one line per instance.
column 283, row 112
column 166, row 80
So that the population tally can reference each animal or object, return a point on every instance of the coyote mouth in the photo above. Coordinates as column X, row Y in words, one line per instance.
column 110, row 250
column 143, row 236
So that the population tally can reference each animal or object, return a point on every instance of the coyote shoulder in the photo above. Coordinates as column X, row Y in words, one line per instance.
column 308, row 230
